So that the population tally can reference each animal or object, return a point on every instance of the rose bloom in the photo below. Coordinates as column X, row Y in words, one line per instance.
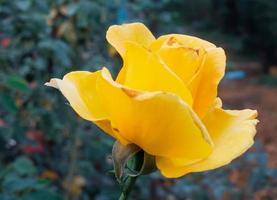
column 164, row 100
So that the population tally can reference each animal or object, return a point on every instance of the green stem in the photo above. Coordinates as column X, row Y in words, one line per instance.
column 128, row 186
column 72, row 166
column 130, row 180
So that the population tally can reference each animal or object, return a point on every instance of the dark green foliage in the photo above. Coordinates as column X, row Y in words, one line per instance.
column 46, row 150
column 44, row 145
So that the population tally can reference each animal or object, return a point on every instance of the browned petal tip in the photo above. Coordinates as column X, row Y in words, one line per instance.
column 130, row 93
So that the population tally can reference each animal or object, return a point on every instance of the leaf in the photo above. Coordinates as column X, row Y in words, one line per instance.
column 15, row 183
column 8, row 103
column 61, row 50
column 24, row 166
column 7, row 197
column 42, row 194
column 23, row 5
column 17, row 83
column 71, row 9
column 120, row 155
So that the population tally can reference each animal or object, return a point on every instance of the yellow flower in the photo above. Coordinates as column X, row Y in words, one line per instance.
column 164, row 100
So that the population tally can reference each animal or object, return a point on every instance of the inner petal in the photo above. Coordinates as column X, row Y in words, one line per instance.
column 184, row 60
column 143, row 70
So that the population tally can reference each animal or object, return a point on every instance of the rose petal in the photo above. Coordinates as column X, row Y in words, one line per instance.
column 203, row 85
column 80, row 90
column 158, row 122
column 186, row 40
column 117, row 35
column 232, row 133
column 145, row 71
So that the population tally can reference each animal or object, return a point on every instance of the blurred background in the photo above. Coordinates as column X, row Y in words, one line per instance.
column 48, row 153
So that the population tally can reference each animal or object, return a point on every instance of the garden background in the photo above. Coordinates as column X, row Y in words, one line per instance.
column 48, row 153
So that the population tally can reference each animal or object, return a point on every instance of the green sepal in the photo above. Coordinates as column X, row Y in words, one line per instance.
column 148, row 165
column 131, row 160
column 120, row 155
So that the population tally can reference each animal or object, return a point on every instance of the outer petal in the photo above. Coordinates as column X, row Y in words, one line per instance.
column 160, row 123
column 138, row 33
column 80, row 90
column 144, row 71
column 232, row 133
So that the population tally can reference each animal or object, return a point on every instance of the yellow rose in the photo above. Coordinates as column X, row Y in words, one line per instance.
column 164, row 100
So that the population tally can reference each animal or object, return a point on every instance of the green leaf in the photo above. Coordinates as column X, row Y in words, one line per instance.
column 62, row 52
column 7, row 197
column 42, row 194
column 17, row 83
column 15, row 183
column 71, row 9
column 24, row 166
column 42, row 183
column 23, row 4
column 8, row 103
